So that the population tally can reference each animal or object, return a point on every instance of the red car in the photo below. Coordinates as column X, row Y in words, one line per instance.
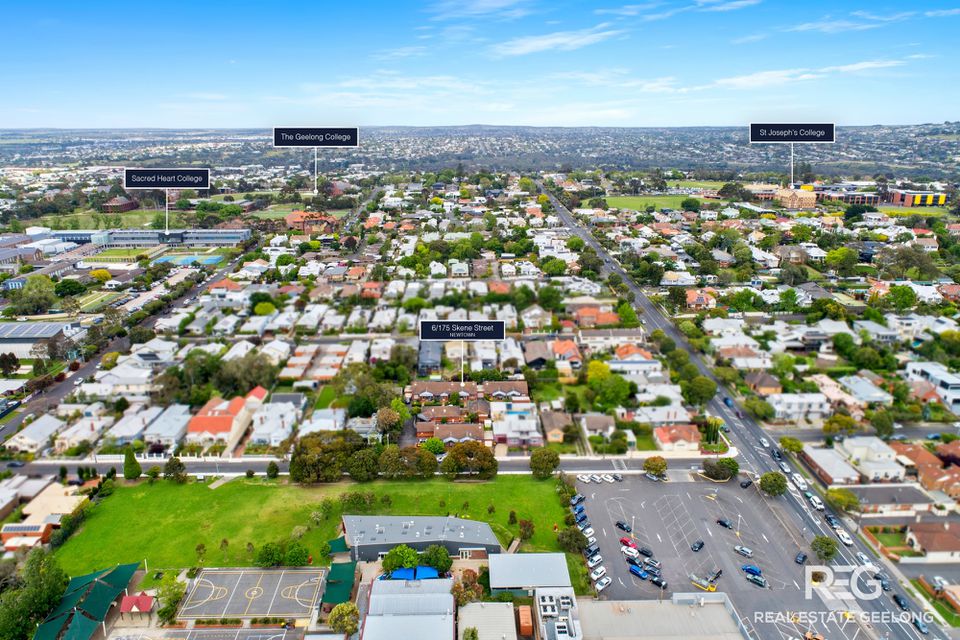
column 628, row 542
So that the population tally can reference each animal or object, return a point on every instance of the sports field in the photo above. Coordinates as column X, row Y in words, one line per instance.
column 97, row 300
column 640, row 203
column 165, row 522
column 253, row 593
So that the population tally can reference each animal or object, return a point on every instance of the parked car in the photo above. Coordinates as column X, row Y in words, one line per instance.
column 644, row 551
column 630, row 552
column 628, row 542
column 618, row 477
column 624, row 526
column 799, row 481
column 577, row 499
column 726, row 524
column 640, row 573
column 696, row 546
column 583, row 525
column 845, row 537
column 760, row 581
column 633, row 562
column 652, row 477
column 588, row 532
column 594, row 561
column 596, row 478
column 746, row 552
column 591, row 550
column 660, row 582
column 651, row 562
column 584, row 479
column 746, row 483
column 751, row 569
column 608, row 478
column 602, row 583
column 591, row 540
column 598, row 573
column 801, row 558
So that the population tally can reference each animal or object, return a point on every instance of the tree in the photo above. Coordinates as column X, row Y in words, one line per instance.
column 264, row 309
column 773, row 483
column 657, row 465
column 401, row 556
column 843, row 260
column 38, row 591
column 730, row 465
column 140, row 335
column 690, row 204
column 269, row 555
column 882, row 422
column 526, row 529
column 470, row 458
column 273, row 470
column 364, row 465
column 68, row 287
column 543, row 462
column 131, row 467
column 575, row 243
column 471, row 633
column 554, row 267
column 344, row 618
column 840, row 423
column 102, row 275
column 169, row 594
column 713, row 470
column 153, row 473
column 296, row 556
column 842, row 500
column 699, row 391
column 36, row 296
column 388, row 420
column 825, row 547
column 175, row 470
column 793, row 445
column 437, row 556
column 201, row 550
column 434, row 446
column 901, row 297
column 9, row 363
column 571, row 540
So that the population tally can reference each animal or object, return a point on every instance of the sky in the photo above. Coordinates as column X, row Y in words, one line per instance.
column 210, row 63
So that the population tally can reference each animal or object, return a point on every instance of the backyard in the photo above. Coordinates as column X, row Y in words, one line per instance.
column 163, row 523
column 952, row 618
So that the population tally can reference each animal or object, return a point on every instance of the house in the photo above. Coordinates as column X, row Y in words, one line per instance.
column 680, row 437
column 36, row 435
column 554, row 424
column 521, row 573
column 597, row 424
column 537, row 353
column 429, row 358
column 873, row 458
column 492, row 620
column 939, row 542
column 829, row 465
column 273, row 423
column 876, row 332
column 221, row 420
column 793, row 407
column 534, row 317
column 887, row 500
column 763, row 383
column 606, row 339
column 409, row 609
column 945, row 383
column 169, row 427
column 567, row 351
column 700, row 299
column 429, row 391
column 865, row 391
column 132, row 425
column 515, row 424
column 324, row 420
column 369, row 538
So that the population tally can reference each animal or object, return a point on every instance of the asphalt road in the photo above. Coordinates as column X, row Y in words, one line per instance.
column 746, row 434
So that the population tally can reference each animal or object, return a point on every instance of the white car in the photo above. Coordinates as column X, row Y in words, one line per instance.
column 629, row 551
column 602, row 584
column 596, row 478
column 799, row 481
column 817, row 503
column 598, row 573
column 584, row 479
column 594, row 561
column 864, row 560
column 845, row 537
column 591, row 541
column 764, row 442
column 588, row 531
column 608, row 478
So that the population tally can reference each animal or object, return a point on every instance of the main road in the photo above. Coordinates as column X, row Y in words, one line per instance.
column 746, row 434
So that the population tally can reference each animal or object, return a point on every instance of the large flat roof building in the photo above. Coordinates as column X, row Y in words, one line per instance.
column 528, row 571
column 371, row 537
column 422, row 609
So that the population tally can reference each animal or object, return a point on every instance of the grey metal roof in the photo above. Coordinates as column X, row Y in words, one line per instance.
column 29, row 330
column 526, row 570
column 395, row 530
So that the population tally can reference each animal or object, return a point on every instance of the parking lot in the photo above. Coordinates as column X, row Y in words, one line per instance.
column 668, row 517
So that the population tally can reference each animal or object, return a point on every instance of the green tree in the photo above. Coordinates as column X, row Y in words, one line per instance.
column 344, row 618
column 69, row 287
column 131, row 467
column 543, row 462
column 657, row 465
column 901, row 297
column 690, row 204
column 843, row 260
column 571, row 540
column 36, row 296
column 882, row 422
column 825, row 547
column 169, row 594
column 699, row 391
column 470, row 458
column 364, row 465
column 28, row 601
column 269, row 555
column 554, row 267
column 793, row 445
column 434, row 446
column 471, row 633
column 401, row 556
column 296, row 556
column 273, row 470
column 840, row 423
column 842, row 500
column 730, row 465
column 175, row 470
column 437, row 556
column 153, row 473
column 773, row 483
column 264, row 309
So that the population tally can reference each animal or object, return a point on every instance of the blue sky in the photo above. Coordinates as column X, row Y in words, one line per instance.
column 446, row 62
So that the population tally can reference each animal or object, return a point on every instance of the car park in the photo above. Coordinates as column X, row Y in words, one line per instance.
column 628, row 542
column 624, row 526
column 660, row 582
column 598, row 573
column 602, row 583
column 760, row 581
column 726, row 524
column 799, row 481
column 801, row 558
column 594, row 561
column 639, row 572
column 630, row 552
column 751, row 569
column 696, row 546
column 746, row 483
column 608, row 478
column 746, row 552
column 845, row 537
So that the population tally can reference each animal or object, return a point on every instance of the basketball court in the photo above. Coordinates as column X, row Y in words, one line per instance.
column 209, row 634
column 253, row 593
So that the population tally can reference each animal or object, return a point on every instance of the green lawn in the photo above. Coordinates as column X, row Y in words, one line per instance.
column 133, row 219
column 164, row 522
column 645, row 443
column 325, row 397
column 640, row 203
column 952, row 618
column 924, row 212
column 96, row 300
column 122, row 253
column 890, row 539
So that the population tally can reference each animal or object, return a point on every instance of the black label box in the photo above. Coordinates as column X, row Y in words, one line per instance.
column 462, row 330
column 166, row 178
column 784, row 133
column 316, row 137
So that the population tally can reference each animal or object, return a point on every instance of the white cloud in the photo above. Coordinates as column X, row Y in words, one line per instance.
column 556, row 41
column 756, row 37
column 942, row 13
column 507, row 9
column 893, row 17
column 628, row 10
column 732, row 5
column 206, row 96
column 866, row 65
column 777, row 77
column 401, row 52
column 864, row 21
